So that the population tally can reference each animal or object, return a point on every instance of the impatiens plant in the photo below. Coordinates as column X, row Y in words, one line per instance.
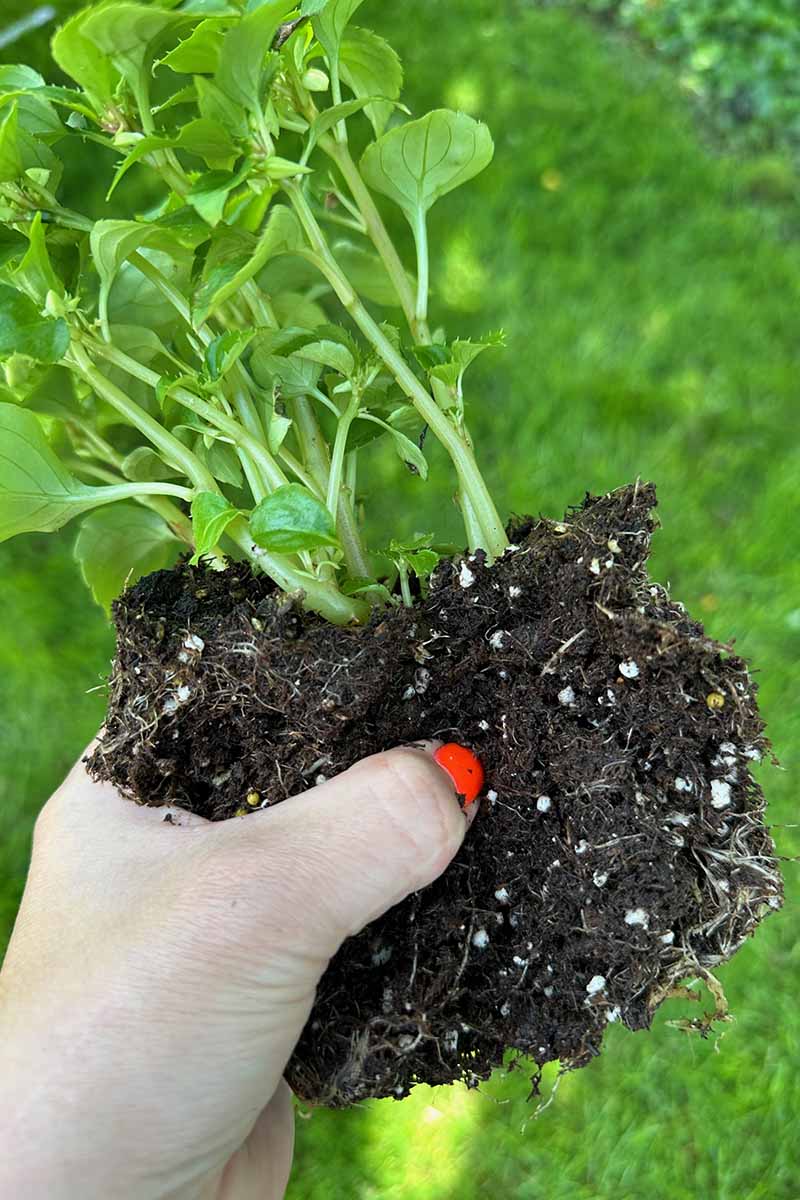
column 197, row 373
column 223, row 357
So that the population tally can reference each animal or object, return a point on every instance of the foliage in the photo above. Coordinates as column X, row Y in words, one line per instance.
column 741, row 56
column 251, row 400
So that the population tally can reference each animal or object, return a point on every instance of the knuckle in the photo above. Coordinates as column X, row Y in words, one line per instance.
column 418, row 801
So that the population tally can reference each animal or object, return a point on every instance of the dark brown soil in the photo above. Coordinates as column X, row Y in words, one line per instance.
column 621, row 844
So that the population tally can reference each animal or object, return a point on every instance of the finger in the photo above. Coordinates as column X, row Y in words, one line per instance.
column 347, row 851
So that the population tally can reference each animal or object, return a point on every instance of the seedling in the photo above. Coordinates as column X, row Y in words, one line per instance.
column 220, row 361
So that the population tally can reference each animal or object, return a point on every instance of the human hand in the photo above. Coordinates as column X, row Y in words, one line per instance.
column 160, row 975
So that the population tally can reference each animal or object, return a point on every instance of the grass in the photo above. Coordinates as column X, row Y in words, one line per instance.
column 649, row 292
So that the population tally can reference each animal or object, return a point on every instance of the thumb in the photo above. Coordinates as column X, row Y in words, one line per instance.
column 355, row 846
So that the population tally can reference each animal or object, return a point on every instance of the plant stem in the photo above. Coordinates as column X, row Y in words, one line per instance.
column 174, row 451
column 227, row 425
column 423, row 269
column 319, row 596
column 405, row 589
column 493, row 537
column 339, row 449
column 379, row 235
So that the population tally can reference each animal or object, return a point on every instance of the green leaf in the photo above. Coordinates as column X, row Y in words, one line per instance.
column 211, row 516
column 292, row 376
column 27, row 87
column 209, row 140
column 216, row 106
column 139, row 342
column 35, row 274
column 228, row 274
column 407, row 450
column 143, row 465
column 23, row 329
column 78, row 58
column 367, row 273
column 329, row 354
column 135, row 299
column 292, row 519
column 111, row 244
column 209, row 195
column 330, row 117
column 310, row 8
column 242, row 63
column 37, row 493
column 225, row 350
column 127, row 33
column 362, row 586
column 330, row 24
column 278, row 428
column 143, row 147
column 19, row 150
column 419, row 162
column 119, row 545
column 221, row 459
column 447, row 378
column 198, row 54
column 370, row 67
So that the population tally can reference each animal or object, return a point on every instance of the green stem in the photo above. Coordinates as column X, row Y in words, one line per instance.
column 339, row 450
column 423, row 269
column 315, row 449
column 261, row 480
column 471, row 523
column 379, row 235
column 493, row 539
column 405, row 588
column 174, row 451
column 355, row 554
column 129, row 491
column 320, row 596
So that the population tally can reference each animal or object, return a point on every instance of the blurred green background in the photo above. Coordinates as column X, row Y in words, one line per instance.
column 649, row 286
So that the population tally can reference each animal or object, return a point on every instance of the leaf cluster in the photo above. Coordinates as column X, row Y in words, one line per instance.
column 220, row 360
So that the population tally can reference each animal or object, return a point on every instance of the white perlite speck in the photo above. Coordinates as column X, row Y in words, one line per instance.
column 637, row 916
column 582, row 846
column 720, row 793
column 497, row 639
column 491, row 796
column 450, row 1040
column 502, row 896
column 600, row 878
column 613, row 1014
column 505, row 1009
column 544, row 804
column 629, row 669
column 667, row 938
column 683, row 785
column 519, row 962
column 193, row 642
column 595, row 566
column 484, row 725
column 596, row 984
column 514, row 592
column 566, row 696
column 480, row 939
column 466, row 577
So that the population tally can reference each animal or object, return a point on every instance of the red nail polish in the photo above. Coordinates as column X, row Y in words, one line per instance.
column 464, row 768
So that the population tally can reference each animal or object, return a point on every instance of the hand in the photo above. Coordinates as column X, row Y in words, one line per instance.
column 160, row 975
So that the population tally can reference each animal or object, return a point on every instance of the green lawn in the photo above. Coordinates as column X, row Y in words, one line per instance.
column 650, row 294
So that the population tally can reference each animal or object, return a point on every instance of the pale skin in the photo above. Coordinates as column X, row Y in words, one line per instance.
column 160, row 974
